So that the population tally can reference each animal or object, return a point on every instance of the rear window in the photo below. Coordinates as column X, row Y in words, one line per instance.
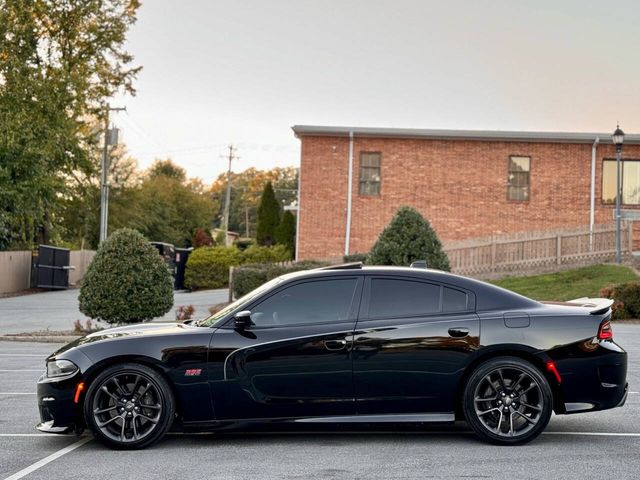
column 392, row 297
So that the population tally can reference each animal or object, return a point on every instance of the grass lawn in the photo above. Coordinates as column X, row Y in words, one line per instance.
column 570, row 284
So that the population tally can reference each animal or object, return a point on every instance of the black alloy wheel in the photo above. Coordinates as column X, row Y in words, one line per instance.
column 129, row 406
column 507, row 401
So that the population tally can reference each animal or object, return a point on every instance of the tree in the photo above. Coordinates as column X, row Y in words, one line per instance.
column 59, row 61
column 173, row 207
column 268, row 217
column 407, row 238
column 286, row 231
column 166, row 168
column 202, row 238
column 127, row 281
column 246, row 190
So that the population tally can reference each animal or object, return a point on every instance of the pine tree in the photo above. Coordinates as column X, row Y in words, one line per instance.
column 407, row 238
column 268, row 217
column 286, row 231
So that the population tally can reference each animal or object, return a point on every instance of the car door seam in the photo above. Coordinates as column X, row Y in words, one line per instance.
column 224, row 368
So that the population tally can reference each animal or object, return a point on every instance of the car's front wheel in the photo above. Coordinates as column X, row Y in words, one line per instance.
column 129, row 406
column 507, row 401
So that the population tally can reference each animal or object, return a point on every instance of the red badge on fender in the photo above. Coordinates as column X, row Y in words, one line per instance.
column 192, row 372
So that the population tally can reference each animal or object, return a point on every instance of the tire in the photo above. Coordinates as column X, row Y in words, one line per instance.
column 507, row 401
column 129, row 406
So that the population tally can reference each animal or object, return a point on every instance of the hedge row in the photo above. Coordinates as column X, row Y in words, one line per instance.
column 208, row 267
column 249, row 277
column 627, row 299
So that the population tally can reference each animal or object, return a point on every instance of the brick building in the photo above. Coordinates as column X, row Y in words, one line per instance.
column 468, row 184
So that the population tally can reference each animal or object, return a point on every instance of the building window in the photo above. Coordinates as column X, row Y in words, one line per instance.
column 630, row 181
column 518, row 179
column 370, row 173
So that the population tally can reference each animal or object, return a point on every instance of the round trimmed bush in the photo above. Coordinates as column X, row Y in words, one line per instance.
column 409, row 237
column 127, row 281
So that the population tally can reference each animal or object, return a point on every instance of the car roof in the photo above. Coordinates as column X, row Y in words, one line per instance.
column 488, row 297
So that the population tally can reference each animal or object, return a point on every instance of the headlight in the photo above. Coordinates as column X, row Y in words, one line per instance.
column 60, row 368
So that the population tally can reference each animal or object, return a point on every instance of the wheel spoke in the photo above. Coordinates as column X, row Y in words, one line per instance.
column 530, row 420
column 532, row 407
column 529, row 388
column 119, row 388
column 104, row 410
column 124, row 424
column 499, row 423
column 152, row 407
column 104, row 424
column 152, row 420
column 488, row 411
column 106, row 390
column 135, row 385
column 135, row 430
column 511, row 431
column 479, row 399
column 144, row 390
column 501, row 379
column 520, row 378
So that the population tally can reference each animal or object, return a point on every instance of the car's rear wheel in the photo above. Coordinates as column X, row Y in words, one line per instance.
column 129, row 406
column 507, row 401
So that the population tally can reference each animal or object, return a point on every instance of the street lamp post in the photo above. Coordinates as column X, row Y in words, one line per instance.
column 618, row 138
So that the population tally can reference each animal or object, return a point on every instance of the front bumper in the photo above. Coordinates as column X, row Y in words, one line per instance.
column 58, row 411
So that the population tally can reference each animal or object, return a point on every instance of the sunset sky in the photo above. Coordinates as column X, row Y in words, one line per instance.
column 244, row 72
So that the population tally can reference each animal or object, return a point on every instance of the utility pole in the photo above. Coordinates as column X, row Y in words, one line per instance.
column 227, row 201
column 246, row 221
column 109, row 140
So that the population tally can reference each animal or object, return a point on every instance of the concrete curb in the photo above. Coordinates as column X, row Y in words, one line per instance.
column 39, row 338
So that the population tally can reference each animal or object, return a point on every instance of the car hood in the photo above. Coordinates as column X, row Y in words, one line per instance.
column 129, row 331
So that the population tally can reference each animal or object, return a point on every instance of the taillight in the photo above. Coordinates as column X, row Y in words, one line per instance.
column 605, row 332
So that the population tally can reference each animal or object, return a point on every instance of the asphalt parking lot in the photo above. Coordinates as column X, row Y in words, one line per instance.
column 595, row 445
column 57, row 310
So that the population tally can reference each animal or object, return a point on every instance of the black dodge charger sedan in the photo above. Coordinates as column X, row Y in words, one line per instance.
column 343, row 345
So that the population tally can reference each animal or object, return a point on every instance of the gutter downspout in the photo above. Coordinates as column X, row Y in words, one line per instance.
column 297, row 255
column 592, row 212
column 347, row 236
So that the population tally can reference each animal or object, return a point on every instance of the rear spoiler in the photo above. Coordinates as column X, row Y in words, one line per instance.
column 596, row 305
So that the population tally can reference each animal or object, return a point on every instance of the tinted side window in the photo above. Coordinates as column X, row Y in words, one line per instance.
column 396, row 298
column 453, row 300
column 322, row 301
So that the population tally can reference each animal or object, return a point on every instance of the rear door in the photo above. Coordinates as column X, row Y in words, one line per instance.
column 295, row 361
column 411, row 344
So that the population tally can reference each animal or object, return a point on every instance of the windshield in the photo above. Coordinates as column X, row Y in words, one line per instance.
column 211, row 321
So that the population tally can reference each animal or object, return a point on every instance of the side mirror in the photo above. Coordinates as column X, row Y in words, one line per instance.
column 242, row 319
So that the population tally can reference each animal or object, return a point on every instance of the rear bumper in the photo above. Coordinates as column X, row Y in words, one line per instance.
column 595, row 380
column 58, row 412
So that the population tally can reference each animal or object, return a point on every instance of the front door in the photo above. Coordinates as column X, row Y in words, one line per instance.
column 295, row 360
column 411, row 345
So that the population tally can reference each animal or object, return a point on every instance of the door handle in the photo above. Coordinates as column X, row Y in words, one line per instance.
column 459, row 332
column 335, row 344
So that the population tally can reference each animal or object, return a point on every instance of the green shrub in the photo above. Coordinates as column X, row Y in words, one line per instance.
column 355, row 257
column 250, row 277
column 627, row 299
column 258, row 254
column 208, row 267
column 407, row 238
column 127, row 281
